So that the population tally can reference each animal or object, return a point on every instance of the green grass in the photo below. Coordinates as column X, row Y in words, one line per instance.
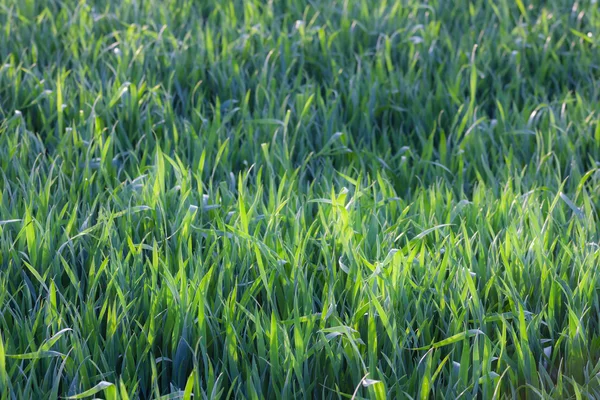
column 299, row 199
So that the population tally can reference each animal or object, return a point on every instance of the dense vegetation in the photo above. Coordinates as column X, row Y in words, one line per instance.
column 299, row 199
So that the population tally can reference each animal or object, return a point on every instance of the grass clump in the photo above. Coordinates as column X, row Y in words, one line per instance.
column 299, row 199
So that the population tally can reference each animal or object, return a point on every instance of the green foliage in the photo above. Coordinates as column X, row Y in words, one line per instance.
column 299, row 199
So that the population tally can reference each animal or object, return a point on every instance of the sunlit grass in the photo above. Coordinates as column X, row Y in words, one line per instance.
column 299, row 199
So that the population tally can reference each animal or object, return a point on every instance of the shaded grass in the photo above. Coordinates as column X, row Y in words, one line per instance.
column 299, row 199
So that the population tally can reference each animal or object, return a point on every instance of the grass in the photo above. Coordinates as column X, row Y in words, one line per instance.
column 299, row 199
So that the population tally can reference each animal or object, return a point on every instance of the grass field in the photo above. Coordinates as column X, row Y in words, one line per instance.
column 299, row 199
